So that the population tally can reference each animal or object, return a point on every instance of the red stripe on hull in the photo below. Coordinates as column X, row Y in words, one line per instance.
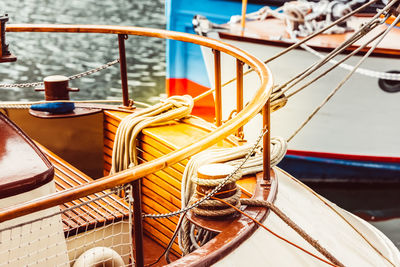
column 343, row 156
column 203, row 108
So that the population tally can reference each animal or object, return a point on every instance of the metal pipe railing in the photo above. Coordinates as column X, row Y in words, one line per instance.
column 123, row 71
column 217, row 87
column 135, row 173
column 239, row 92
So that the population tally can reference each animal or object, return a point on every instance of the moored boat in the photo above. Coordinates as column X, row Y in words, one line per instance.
column 330, row 148
column 128, row 217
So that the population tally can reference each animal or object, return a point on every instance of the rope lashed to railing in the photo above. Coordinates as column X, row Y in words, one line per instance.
column 124, row 150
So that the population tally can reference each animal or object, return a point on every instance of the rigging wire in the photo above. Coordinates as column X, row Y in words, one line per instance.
column 295, row 45
column 345, row 79
column 275, row 234
column 338, row 63
column 355, row 37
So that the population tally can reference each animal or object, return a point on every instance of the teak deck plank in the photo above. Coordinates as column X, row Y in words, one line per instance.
column 103, row 211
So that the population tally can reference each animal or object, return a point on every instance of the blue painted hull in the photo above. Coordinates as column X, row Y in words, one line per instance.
column 184, row 60
column 317, row 169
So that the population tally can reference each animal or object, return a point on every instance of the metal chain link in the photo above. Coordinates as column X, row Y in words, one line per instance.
column 214, row 191
column 73, row 77
column 86, row 73
column 20, row 85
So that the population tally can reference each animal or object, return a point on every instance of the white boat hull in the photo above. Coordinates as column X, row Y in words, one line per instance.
column 322, row 220
column 361, row 119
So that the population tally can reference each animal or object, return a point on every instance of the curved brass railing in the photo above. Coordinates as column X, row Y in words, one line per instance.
column 257, row 104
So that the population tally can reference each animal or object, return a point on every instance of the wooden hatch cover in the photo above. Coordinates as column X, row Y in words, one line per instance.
column 23, row 166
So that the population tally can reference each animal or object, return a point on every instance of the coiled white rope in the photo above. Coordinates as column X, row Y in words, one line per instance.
column 232, row 156
column 124, row 150
column 362, row 71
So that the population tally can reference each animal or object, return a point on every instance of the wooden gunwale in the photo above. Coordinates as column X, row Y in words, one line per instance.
column 144, row 169
column 258, row 33
column 378, row 52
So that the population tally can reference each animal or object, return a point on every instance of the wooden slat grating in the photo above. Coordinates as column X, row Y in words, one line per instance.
column 104, row 211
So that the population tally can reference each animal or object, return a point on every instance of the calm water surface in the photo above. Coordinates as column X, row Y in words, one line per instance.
column 40, row 55
column 68, row 54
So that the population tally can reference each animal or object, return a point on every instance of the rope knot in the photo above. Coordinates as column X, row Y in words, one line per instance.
column 179, row 101
column 124, row 150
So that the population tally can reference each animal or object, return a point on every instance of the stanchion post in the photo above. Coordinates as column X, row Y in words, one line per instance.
column 239, row 91
column 138, row 222
column 266, row 141
column 122, row 64
column 217, row 78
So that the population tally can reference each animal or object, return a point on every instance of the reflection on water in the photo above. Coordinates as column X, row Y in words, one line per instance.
column 378, row 204
column 40, row 55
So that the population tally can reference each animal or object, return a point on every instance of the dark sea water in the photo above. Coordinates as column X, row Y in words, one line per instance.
column 40, row 55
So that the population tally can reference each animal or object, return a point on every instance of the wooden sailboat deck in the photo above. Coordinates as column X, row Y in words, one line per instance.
column 110, row 209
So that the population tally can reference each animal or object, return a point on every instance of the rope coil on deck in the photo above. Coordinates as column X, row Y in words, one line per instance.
column 206, row 181
column 124, row 150
column 247, row 159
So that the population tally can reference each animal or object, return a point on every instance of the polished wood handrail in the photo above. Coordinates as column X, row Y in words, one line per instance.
column 130, row 175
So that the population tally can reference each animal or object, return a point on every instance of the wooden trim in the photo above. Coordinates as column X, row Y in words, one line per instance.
column 378, row 52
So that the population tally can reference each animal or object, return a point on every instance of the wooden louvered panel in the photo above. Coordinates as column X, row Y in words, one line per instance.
column 110, row 136
column 159, row 237
column 161, row 191
column 171, row 171
column 161, row 179
column 155, row 153
column 159, row 197
column 104, row 211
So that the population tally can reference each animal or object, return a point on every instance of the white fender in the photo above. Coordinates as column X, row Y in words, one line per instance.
column 99, row 256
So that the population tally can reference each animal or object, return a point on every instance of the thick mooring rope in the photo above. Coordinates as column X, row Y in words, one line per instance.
column 340, row 215
column 313, row 242
column 232, row 156
column 124, row 150
column 290, row 223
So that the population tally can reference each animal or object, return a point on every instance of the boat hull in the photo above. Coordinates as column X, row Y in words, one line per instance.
column 354, row 122
column 303, row 206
